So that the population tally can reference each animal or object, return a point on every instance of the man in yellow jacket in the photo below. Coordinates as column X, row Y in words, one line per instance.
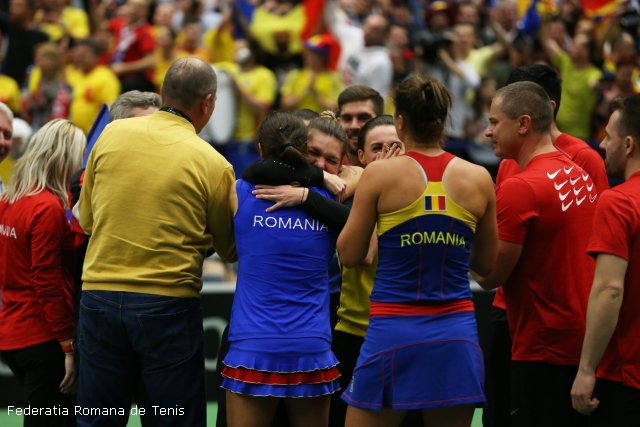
column 155, row 201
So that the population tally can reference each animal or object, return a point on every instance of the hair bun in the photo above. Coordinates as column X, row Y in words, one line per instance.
column 328, row 115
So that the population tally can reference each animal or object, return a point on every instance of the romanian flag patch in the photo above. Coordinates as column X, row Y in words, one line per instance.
column 435, row 203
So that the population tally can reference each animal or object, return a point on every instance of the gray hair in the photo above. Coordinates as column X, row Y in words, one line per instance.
column 188, row 81
column 122, row 107
column 4, row 108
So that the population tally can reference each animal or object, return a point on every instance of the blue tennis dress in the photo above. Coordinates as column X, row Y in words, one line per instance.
column 279, row 333
column 421, row 349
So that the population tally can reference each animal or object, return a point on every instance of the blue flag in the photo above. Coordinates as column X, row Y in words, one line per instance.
column 98, row 126
column 530, row 22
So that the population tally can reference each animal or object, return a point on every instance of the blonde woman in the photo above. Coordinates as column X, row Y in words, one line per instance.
column 37, row 258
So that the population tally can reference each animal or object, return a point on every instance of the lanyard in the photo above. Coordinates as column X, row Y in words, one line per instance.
column 177, row 113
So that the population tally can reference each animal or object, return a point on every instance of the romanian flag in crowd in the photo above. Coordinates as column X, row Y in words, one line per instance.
column 599, row 8
column 543, row 7
column 435, row 203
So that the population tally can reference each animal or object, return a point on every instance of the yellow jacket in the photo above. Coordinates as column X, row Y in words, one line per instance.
column 155, row 199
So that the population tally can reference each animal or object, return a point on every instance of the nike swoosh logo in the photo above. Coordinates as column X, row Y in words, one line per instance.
column 558, row 187
column 585, row 176
column 579, row 202
column 593, row 199
column 563, row 196
column 589, row 187
column 578, row 192
column 568, row 171
column 564, row 208
column 553, row 175
column 573, row 181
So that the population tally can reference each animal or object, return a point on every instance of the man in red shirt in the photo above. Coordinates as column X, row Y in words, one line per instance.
column 611, row 342
column 133, row 60
column 498, row 356
column 543, row 213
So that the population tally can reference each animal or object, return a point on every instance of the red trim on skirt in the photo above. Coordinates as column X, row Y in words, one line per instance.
column 280, row 378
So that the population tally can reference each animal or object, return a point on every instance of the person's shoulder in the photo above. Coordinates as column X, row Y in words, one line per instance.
column 471, row 170
column 628, row 191
column 264, row 72
column 69, row 12
column 44, row 202
column 8, row 81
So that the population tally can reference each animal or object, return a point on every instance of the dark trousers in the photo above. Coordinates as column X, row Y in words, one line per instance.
column 541, row 395
column 121, row 332
column 40, row 368
column 619, row 405
column 497, row 361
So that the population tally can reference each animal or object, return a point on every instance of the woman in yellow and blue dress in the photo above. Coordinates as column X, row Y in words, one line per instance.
column 421, row 349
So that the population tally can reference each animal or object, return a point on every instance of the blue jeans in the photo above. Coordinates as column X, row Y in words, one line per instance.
column 122, row 335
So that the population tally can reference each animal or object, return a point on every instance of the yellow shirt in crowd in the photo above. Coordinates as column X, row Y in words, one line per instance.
column 267, row 28
column 200, row 52
column 261, row 83
column 578, row 99
column 220, row 45
column 10, row 93
column 328, row 85
column 155, row 199
column 76, row 22
column 90, row 91
column 162, row 66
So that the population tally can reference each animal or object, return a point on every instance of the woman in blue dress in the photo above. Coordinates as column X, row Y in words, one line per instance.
column 436, row 219
column 280, row 337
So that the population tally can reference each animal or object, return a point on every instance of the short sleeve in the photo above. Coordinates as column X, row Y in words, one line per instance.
column 614, row 223
column 591, row 161
column 517, row 206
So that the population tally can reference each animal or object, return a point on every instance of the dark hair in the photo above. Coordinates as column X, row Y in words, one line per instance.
column 91, row 43
column 306, row 114
column 545, row 76
column 188, row 81
column 522, row 43
column 384, row 120
column 424, row 104
column 629, row 108
column 283, row 135
column 478, row 103
column 327, row 124
column 362, row 93
column 256, row 49
column 188, row 20
column 527, row 98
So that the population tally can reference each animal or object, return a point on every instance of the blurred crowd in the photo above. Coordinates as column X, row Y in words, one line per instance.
column 66, row 58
